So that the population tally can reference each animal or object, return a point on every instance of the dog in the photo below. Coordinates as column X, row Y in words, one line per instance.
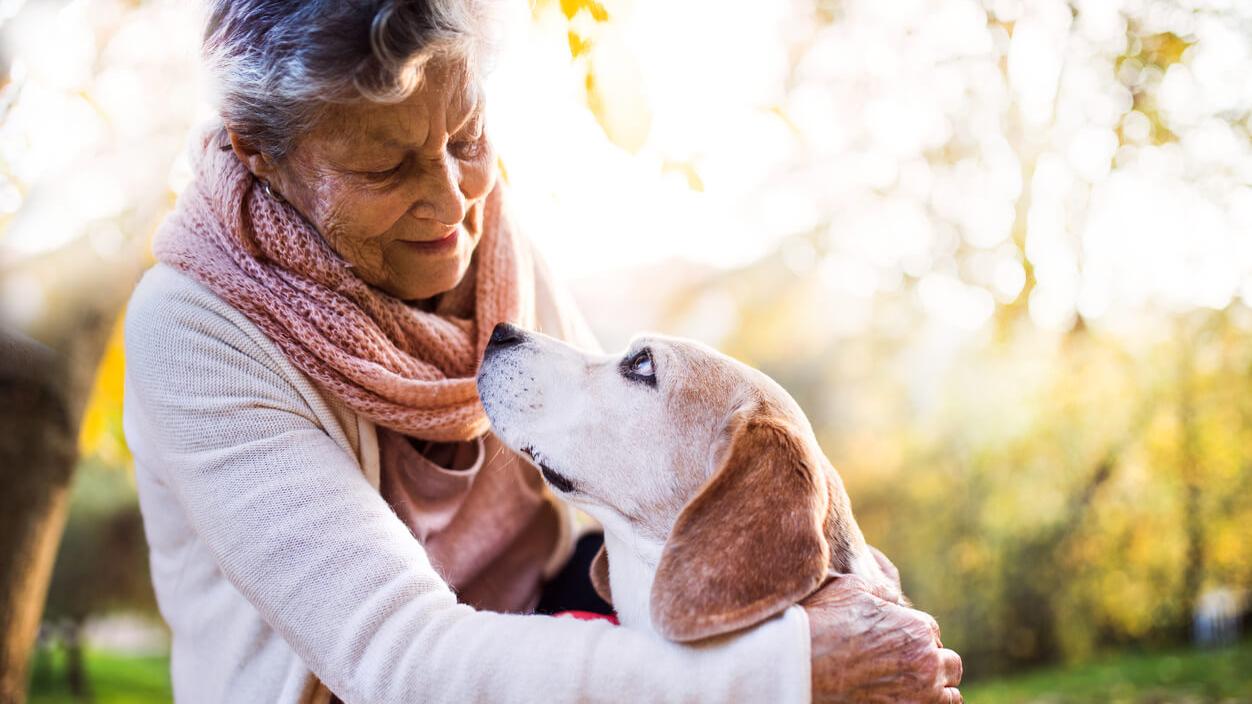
column 719, row 509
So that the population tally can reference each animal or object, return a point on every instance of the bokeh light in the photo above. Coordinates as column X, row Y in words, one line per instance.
column 999, row 250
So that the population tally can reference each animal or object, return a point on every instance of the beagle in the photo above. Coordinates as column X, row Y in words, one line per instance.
column 719, row 509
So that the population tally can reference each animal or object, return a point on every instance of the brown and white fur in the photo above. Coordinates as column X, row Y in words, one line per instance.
column 719, row 508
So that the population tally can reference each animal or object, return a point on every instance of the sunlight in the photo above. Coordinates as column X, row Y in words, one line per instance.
column 891, row 136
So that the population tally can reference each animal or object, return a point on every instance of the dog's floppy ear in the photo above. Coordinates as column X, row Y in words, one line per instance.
column 751, row 543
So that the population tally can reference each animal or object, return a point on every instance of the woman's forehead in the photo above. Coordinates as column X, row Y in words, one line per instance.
column 440, row 105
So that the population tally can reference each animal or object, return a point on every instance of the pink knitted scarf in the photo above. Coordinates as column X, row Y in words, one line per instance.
column 404, row 368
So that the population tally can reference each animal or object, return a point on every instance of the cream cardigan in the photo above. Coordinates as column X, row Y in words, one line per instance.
column 273, row 555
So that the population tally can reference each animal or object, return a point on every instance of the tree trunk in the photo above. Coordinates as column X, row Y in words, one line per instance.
column 75, row 671
column 36, row 460
column 1029, row 616
column 46, row 374
column 1192, row 485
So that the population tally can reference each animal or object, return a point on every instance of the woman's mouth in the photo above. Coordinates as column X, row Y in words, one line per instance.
column 448, row 241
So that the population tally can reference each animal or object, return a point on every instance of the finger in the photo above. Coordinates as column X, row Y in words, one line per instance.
column 887, row 592
column 851, row 581
column 843, row 583
column 951, row 695
column 840, row 589
column 951, row 669
column 931, row 623
column 886, row 565
column 830, row 592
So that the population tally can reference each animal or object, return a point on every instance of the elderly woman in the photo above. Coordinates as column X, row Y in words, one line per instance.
column 328, row 514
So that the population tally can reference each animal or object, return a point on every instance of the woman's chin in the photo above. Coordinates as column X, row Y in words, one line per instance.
column 427, row 279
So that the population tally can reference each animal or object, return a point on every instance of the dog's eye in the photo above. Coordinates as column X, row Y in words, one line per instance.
column 640, row 367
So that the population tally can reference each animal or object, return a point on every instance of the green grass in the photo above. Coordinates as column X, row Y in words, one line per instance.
column 1182, row 676
column 112, row 679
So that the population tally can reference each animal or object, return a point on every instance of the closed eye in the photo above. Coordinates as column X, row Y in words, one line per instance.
column 384, row 174
column 640, row 367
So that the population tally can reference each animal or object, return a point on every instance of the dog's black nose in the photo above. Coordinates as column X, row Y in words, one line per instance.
column 505, row 335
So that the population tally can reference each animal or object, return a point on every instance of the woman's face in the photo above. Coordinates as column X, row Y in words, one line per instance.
column 398, row 190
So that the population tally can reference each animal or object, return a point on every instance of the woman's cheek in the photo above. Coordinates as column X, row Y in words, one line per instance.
column 369, row 216
column 479, row 176
column 354, row 230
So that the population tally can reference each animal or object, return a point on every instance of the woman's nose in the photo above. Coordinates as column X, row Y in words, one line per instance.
column 439, row 197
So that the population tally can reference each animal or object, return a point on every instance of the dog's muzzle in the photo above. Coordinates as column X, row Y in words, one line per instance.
column 558, row 481
column 504, row 337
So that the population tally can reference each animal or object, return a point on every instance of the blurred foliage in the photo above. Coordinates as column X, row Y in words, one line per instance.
column 1156, row 52
column 1047, row 496
column 115, row 679
column 100, row 435
column 102, row 564
column 1057, row 482
column 101, row 568
column 1186, row 677
column 997, row 250
column 597, row 50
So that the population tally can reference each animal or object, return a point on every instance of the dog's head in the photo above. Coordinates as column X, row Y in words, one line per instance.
column 687, row 447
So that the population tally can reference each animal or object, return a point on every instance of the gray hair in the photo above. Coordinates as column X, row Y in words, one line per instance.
column 277, row 64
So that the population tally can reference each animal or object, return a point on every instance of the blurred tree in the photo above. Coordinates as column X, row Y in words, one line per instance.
column 102, row 564
column 36, row 456
column 94, row 105
column 46, row 374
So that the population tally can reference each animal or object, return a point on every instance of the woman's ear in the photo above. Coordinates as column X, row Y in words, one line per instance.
column 751, row 543
column 256, row 160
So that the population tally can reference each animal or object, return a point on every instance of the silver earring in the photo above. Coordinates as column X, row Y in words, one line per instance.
column 265, row 186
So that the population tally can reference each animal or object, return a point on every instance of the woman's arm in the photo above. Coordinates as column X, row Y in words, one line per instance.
column 299, row 532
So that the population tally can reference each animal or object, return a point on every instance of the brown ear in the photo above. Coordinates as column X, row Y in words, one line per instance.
column 751, row 543
column 600, row 575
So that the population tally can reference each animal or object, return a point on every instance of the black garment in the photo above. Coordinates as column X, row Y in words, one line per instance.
column 571, row 589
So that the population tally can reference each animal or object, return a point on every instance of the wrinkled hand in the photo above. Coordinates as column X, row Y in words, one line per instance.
column 869, row 649
column 888, row 567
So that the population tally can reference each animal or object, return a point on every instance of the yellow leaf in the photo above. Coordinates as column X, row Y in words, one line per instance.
column 688, row 170
column 570, row 8
column 577, row 45
column 598, row 13
column 616, row 94
column 100, row 434
column 1163, row 50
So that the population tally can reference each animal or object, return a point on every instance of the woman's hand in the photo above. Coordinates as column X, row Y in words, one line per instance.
column 868, row 649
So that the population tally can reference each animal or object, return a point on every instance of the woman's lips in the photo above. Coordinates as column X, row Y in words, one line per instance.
column 448, row 241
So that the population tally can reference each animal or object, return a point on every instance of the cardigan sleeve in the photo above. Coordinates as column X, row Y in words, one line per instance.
column 299, row 532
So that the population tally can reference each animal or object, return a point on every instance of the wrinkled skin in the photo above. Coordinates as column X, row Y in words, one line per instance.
column 869, row 650
column 377, row 180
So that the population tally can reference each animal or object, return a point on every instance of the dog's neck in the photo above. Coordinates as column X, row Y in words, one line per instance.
column 633, row 561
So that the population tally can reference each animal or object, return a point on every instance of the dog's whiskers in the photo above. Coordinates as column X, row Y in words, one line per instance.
column 499, row 450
